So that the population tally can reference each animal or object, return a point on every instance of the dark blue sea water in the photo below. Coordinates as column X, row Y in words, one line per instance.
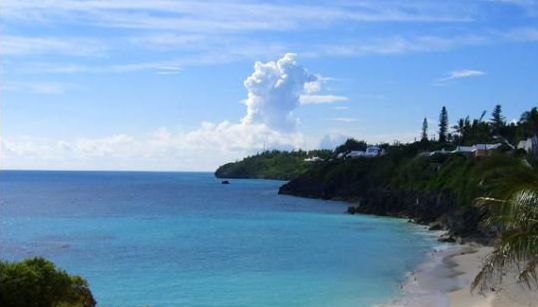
column 184, row 239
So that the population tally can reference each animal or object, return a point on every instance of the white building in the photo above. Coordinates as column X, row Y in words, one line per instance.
column 530, row 145
column 477, row 149
column 356, row 154
column 487, row 146
column 313, row 159
column 465, row 149
column 371, row 151
column 374, row 151
column 438, row 152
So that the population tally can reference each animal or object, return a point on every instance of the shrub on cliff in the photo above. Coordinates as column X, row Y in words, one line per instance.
column 350, row 145
column 37, row 282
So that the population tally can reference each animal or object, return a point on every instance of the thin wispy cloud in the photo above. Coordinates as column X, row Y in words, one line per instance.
column 402, row 45
column 529, row 6
column 320, row 99
column 344, row 119
column 161, row 67
column 460, row 74
column 194, row 33
column 31, row 45
column 199, row 16
column 38, row 87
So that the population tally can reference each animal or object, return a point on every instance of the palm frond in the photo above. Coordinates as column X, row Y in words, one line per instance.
column 511, row 200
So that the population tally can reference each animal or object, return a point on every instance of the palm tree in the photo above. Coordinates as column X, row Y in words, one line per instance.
column 511, row 198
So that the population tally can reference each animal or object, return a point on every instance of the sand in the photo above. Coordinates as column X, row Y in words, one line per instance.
column 510, row 293
column 445, row 279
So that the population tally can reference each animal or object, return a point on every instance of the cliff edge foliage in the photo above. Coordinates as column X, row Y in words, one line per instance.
column 280, row 165
column 37, row 282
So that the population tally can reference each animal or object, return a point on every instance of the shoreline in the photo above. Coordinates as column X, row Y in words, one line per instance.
column 444, row 280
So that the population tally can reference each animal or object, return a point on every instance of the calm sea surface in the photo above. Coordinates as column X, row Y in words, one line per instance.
column 185, row 239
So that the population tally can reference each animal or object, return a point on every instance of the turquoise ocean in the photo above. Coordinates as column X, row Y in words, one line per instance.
column 185, row 239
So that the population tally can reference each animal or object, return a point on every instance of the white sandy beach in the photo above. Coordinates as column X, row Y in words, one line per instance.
column 445, row 280
column 510, row 293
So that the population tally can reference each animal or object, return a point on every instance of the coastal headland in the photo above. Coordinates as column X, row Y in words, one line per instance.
column 446, row 185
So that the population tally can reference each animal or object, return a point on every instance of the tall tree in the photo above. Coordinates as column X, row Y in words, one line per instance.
column 424, row 136
column 443, row 125
column 497, row 120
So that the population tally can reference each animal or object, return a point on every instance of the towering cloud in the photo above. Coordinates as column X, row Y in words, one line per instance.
column 274, row 90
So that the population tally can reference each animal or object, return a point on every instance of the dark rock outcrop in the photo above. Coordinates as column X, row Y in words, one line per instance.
column 447, row 238
column 435, row 208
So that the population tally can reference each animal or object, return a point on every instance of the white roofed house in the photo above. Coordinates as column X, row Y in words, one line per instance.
column 374, row 151
column 530, row 145
column 313, row 159
column 478, row 150
column 356, row 154
column 465, row 149
column 523, row 144
column 341, row 155
column 371, row 151
column 483, row 150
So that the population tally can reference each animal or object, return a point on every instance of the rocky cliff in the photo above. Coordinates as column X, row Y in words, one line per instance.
column 437, row 191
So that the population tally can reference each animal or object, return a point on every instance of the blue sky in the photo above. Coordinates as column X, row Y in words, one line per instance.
column 162, row 84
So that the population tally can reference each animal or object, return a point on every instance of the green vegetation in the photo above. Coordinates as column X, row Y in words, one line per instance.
column 36, row 282
column 401, row 169
column 424, row 134
column 497, row 120
column 274, row 164
column 511, row 197
column 443, row 126
column 468, row 132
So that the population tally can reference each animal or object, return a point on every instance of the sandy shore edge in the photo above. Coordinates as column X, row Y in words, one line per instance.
column 444, row 280
column 510, row 293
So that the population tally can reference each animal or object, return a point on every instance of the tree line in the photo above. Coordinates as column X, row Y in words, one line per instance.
column 469, row 131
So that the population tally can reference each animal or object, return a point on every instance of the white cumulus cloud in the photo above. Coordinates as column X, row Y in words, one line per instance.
column 274, row 91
